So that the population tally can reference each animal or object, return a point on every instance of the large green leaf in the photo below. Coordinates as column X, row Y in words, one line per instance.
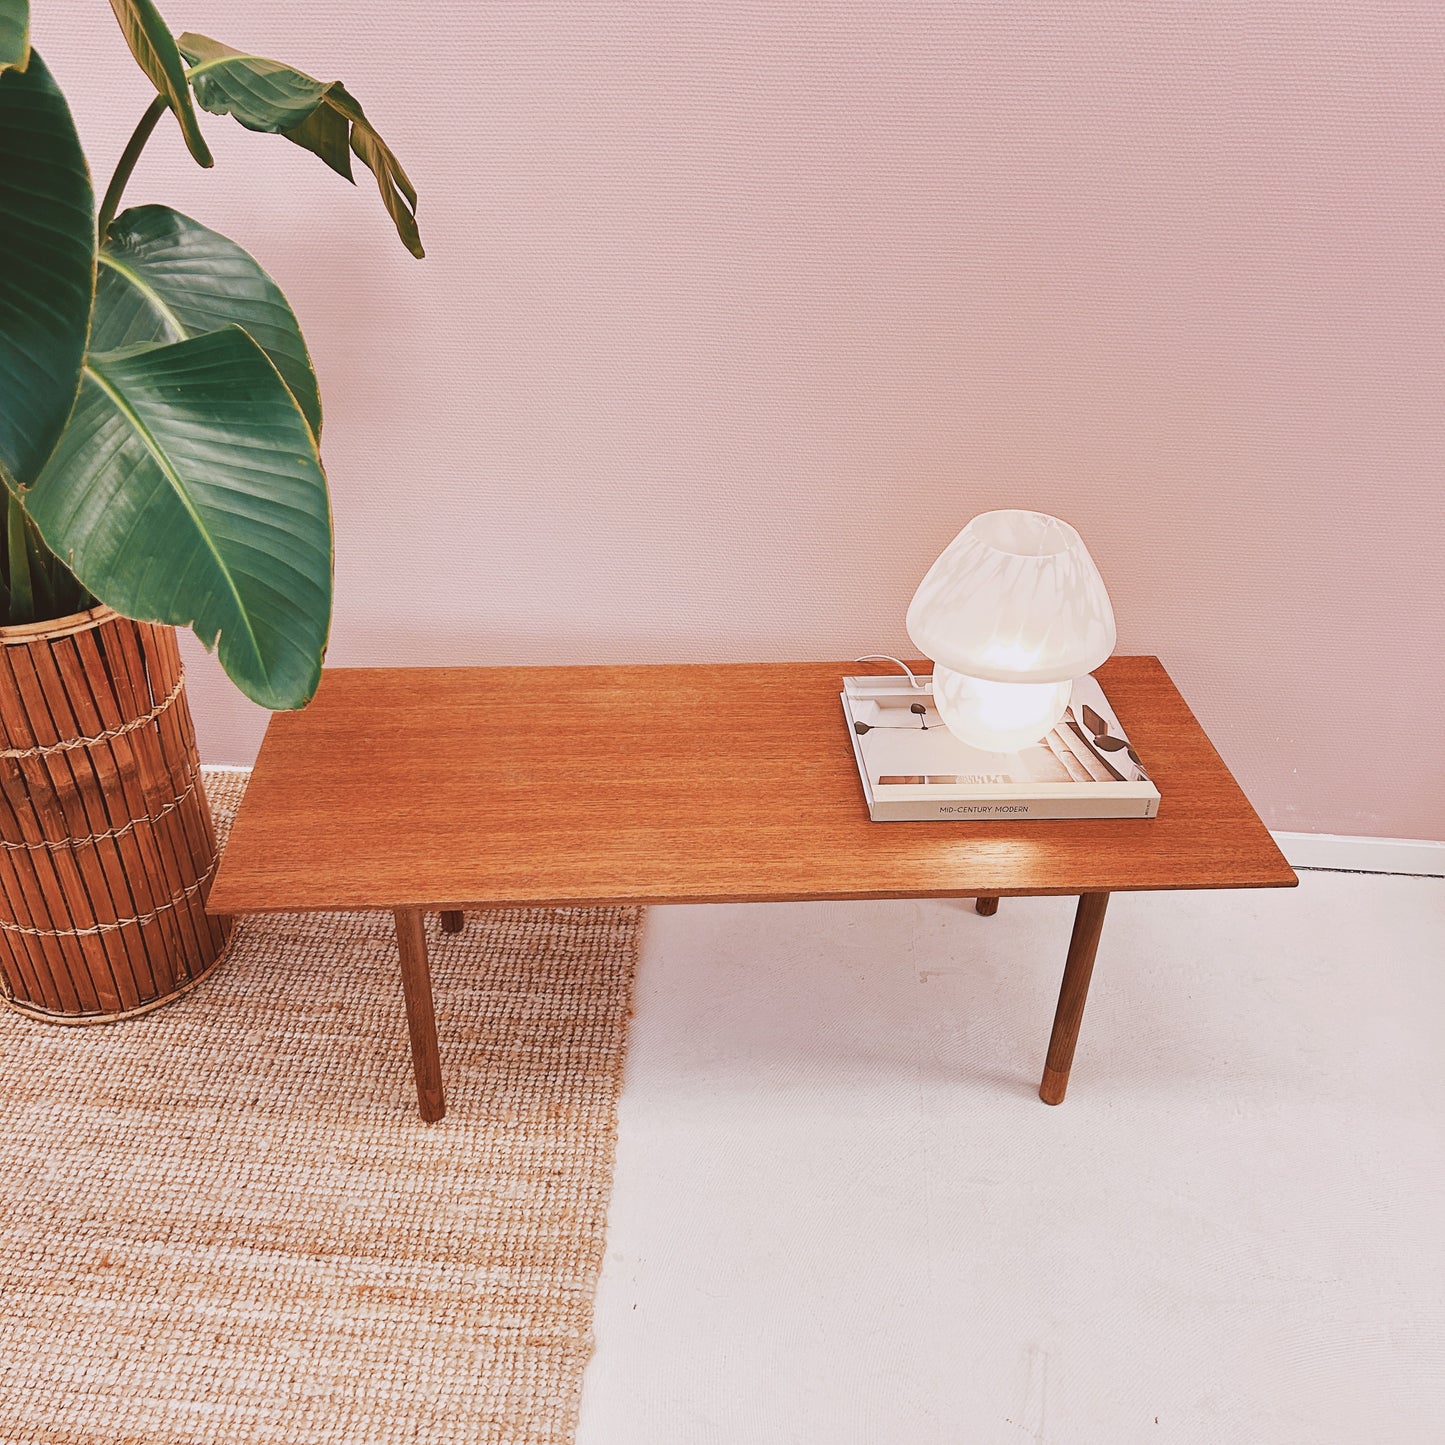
column 154, row 48
column 262, row 94
column 324, row 118
column 47, row 266
column 164, row 277
column 187, row 489
column 14, row 34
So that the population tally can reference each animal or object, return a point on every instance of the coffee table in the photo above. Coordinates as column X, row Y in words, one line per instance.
column 445, row 789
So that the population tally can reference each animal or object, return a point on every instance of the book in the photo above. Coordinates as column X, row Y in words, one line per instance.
column 913, row 769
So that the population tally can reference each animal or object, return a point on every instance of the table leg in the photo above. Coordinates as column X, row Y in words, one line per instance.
column 986, row 906
column 1088, row 924
column 453, row 921
column 421, row 1020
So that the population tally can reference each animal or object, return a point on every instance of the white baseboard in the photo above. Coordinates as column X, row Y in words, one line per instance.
column 1363, row 855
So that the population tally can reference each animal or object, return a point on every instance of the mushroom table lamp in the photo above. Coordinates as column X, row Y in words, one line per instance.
column 1011, row 613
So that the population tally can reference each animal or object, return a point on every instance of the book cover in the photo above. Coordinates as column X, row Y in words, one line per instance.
column 914, row 769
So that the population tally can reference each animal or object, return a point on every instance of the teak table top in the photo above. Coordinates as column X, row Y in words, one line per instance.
column 443, row 788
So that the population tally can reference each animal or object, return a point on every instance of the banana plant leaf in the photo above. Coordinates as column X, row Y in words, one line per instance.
column 265, row 95
column 187, row 489
column 47, row 266
column 154, row 48
column 14, row 34
column 164, row 277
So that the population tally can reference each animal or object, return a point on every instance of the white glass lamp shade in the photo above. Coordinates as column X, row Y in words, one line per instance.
column 1011, row 612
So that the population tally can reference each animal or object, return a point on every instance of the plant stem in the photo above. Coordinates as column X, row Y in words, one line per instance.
column 22, row 600
column 127, row 162
column 34, row 582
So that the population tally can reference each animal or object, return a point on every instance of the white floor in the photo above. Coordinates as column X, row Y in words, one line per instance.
column 843, row 1217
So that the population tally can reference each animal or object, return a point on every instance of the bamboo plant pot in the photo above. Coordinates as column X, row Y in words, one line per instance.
column 106, row 841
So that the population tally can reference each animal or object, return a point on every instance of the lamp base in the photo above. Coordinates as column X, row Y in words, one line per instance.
column 999, row 717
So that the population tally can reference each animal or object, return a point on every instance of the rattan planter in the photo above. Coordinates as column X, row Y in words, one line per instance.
column 106, row 842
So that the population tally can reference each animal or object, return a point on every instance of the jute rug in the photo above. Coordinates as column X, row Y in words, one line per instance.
column 224, row 1222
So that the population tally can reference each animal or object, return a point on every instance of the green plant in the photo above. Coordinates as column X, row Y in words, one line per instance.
column 159, row 415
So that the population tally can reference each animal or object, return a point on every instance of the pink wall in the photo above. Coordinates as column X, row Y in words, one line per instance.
column 734, row 312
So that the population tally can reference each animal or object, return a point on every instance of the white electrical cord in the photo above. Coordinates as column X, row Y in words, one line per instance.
column 886, row 657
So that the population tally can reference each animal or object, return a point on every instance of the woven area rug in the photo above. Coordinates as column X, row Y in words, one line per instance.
column 224, row 1222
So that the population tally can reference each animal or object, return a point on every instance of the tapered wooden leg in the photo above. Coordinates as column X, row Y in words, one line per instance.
column 1088, row 924
column 421, row 1020
column 986, row 906
column 453, row 921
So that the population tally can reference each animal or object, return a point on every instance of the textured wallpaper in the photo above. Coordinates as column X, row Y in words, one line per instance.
column 733, row 313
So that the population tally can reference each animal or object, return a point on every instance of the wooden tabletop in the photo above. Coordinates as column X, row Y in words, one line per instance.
column 453, row 787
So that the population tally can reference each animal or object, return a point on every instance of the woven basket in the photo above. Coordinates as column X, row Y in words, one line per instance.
column 106, row 841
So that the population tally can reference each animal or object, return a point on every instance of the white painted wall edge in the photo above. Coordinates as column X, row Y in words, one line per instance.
column 1363, row 855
